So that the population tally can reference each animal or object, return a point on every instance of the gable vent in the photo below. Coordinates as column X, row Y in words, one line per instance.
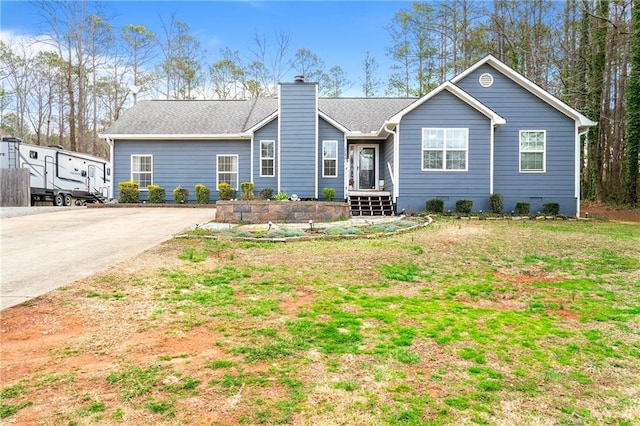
column 486, row 80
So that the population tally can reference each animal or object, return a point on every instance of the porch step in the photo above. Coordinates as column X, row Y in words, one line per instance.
column 368, row 204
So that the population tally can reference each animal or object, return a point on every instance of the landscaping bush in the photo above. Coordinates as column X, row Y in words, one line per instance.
column 522, row 208
column 282, row 196
column 266, row 193
column 157, row 194
column 435, row 205
column 225, row 192
column 247, row 190
column 129, row 192
column 496, row 203
column 329, row 193
column 464, row 206
column 550, row 209
column 181, row 195
column 203, row 194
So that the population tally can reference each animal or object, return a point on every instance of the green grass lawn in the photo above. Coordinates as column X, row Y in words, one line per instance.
column 460, row 322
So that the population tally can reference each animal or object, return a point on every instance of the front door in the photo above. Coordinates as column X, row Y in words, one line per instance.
column 91, row 180
column 364, row 166
column 49, row 172
column 367, row 167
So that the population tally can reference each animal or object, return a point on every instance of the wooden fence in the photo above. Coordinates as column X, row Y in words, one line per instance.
column 14, row 188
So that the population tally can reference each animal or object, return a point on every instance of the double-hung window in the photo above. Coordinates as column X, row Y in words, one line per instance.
column 267, row 158
column 142, row 170
column 329, row 158
column 227, row 170
column 532, row 150
column 445, row 149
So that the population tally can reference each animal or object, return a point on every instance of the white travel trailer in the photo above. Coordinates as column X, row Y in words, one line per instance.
column 58, row 175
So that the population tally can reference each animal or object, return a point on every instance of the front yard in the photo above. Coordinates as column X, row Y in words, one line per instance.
column 477, row 322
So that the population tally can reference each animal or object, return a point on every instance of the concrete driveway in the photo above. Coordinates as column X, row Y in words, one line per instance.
column 44, row 248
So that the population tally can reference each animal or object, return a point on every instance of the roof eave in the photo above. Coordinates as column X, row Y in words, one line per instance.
column 146, row 136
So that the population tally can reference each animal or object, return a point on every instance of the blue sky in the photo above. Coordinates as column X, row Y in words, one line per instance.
column 339, row 32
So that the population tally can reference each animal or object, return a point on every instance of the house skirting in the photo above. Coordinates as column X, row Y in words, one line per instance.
column 280, row 211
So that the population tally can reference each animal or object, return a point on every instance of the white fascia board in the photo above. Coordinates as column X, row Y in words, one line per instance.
column 334, row 123
column 456, row 91
column 232, row 136
column 263, row 122
column 538, row 91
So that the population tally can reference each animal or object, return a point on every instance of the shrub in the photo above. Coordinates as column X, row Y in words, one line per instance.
column 129, row 192
column 157, row 194
column 435, row 205
column 181, row 195
column 550, row 209
column 266, row 193
column 247, row 190
column 282, row 196
column 203, row 194
column 496, row 204
column 329, row 193
column 522, row 208
column 225, row 192
column 464, row 206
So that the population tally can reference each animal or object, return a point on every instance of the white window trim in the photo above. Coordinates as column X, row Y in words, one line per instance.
column 324, row 175
column 218, row 170
column 268, row 158
column 131, row 163
column 444, row 151
column 544, row 152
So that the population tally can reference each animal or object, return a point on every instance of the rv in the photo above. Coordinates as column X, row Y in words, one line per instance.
column 58, row 175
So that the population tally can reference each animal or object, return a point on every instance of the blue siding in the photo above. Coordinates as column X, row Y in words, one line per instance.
column 386, row 156
column 417, row 186
column 185, row 163
column 298, row 137
column 524, row 111
column 268, row 132
column 327, row 132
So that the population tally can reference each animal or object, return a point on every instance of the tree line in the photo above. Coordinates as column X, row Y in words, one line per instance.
column 585, row 52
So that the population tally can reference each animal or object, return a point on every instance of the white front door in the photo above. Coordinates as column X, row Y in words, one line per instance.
column 364, row 166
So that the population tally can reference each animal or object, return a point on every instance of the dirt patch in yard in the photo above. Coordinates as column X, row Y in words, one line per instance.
column 599, row 210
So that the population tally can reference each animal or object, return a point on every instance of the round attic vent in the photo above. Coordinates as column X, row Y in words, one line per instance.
column 486, row 80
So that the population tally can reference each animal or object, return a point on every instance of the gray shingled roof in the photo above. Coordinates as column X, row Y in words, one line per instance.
column 220, row 117
column 364, row 115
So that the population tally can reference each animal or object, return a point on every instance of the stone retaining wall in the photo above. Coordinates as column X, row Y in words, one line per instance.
column 280, row 211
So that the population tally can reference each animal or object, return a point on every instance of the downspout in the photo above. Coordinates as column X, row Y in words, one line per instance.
column 577, row 160
column 251, row 165
column 491, row 156
column 396, row 163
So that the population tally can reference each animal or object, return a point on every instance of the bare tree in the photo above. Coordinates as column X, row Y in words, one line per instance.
column 270, row 65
